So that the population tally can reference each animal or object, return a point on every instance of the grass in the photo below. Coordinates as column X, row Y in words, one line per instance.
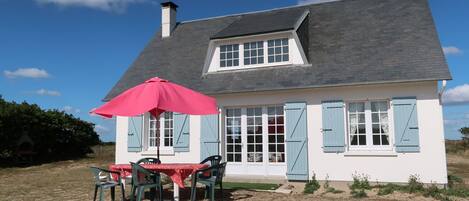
column 249, row 186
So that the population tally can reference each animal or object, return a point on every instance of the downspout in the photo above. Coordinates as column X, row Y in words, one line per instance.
column 441, row 91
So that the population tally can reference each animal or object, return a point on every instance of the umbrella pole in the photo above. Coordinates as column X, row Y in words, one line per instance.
column 158, row 152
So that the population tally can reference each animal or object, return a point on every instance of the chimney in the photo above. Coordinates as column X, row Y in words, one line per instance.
column 168, row 18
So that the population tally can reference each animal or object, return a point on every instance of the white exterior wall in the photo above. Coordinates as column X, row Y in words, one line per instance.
column 387, row 166
column 123, row 157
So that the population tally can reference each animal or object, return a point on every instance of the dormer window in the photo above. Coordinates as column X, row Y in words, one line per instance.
column 229, row 55
column 277, row 50
column 269, row 50
column 254, row 53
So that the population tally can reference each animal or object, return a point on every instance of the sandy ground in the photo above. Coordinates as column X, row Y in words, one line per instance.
column 72, row 180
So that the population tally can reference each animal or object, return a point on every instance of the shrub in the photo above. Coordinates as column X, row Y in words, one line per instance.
column 454, row 180
column 388, row 189
column 359, row 185
column 415, row 185
column 44, row 135
column 312, row 186
column 330, row 189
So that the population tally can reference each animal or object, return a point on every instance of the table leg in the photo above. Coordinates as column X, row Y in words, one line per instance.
column 176, row 192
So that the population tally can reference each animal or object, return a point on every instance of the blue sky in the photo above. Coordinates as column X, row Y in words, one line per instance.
column 67, row 54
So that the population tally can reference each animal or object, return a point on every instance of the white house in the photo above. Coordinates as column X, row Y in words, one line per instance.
column 332, row 89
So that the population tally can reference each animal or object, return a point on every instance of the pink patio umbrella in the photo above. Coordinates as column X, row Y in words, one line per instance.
column 157, row 96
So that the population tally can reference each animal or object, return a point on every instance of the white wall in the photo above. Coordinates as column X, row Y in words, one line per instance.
column 429, row 164
column 122, row 156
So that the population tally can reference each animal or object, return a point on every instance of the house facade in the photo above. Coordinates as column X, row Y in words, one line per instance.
column 333, row 89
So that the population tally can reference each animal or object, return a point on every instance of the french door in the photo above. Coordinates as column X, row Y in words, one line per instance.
column 255, row 140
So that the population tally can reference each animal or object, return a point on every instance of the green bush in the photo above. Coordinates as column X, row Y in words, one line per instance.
column 330, row 189
column 359, row 185
column 312, row 186
column 415, row 185
column 51, row 134
column 388, row 189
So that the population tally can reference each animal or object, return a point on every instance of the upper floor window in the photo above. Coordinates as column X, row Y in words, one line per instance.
column 160, row 130
column 229, row 55
column 254, row 53
column 368, row 124
column 277, row 50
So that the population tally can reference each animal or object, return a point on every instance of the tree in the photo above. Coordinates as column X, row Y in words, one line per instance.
column 54, row 134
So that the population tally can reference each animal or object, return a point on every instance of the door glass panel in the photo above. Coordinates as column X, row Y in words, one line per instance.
column 276, row 134
column 254, row 132
column 233, row 135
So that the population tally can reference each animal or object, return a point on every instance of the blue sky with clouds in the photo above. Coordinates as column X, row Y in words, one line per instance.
column 67, row 54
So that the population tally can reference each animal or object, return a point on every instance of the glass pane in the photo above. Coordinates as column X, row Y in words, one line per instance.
column 278, row 58
column 376, row 140
column 253, row 60
column 229, row 48
column 246, row 45
column 385, row 139
column 229, row 157
column 250, row 148
column 271, row 138
column 375, row 117
column 271, row 129
column 235, row 47
column 258, row 120
column 237, row 157
column 384, row 128
column 278, row 42
column 280, row 129
column 250, row 120
column 280, row 138
column 361, row 118
column 258, row 157
column 284, row 41
column 271, row 147
column 376, row 128
column 236, row 62
column 353, row 140
column 250, row 139
column 384, row 117
column 222, row 63
column 258, row 148
column 229, row 131
column 362, row 139
column 270, row 51
column 271, row 110
column 223, row 48
column 247, row 61
column 278, row 50
column 361, row 129
column 229, row 148
column 272, row 157
column 258, row 138
column 285, row 49
column 237, row 148
column 236, row 55
column 279, row 120
column 280, row 148
column 270, row 43
column 271, row 120
column 250, row 157
column 285, row 57
column 260, row 60
column 271, row 59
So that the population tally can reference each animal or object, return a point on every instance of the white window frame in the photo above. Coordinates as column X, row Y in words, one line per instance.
column 368, row 126
column 162, row 129
column 244, row 142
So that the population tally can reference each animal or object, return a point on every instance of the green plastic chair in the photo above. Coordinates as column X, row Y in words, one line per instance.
column 152, row 161
column 210, row 177
column 104, row 180
column 144, row 179
column 214, row 160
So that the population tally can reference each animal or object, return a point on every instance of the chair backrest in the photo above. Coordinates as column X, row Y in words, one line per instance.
column 220, row 172
column 99, row 177
column 149, row 161
column 214, row 160
column 140, row 175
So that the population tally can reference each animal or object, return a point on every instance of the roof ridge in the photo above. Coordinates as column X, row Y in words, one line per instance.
column 253, row 12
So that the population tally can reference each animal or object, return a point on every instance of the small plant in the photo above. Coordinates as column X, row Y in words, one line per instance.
column 433, row 191
column 330, row 189
column 415, row 185
column 359, row 185
column 454, row 181
column 388, row 189
column 312, row 186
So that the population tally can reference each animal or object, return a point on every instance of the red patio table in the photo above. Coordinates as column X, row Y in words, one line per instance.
column 178, row 172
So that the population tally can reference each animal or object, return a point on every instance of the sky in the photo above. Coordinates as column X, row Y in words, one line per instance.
column 67, row 54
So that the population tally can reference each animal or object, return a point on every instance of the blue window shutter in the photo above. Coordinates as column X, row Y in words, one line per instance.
column 134, row 137
column 333, row 128
column 209, row 136
column 406, row 129
column 181, row 132
column 296, row 141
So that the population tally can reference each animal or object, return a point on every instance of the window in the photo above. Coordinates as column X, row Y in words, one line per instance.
column 233, row 135
column 254, row 134
column 277, row 50
column 254, row 53
column 276, row 134
column 156, row 126
column 368, row 124
column 229, row 55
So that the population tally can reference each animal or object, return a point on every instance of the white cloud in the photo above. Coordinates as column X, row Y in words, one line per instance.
column 45, row 92
column 303, row 2
column 100, row 129
column 70, row 109
column 457, row 95
column 118, row 6
column 27, row 73
column 451, row 50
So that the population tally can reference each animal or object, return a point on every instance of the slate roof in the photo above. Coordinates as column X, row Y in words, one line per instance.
column 351, row 42
column 259, row 23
